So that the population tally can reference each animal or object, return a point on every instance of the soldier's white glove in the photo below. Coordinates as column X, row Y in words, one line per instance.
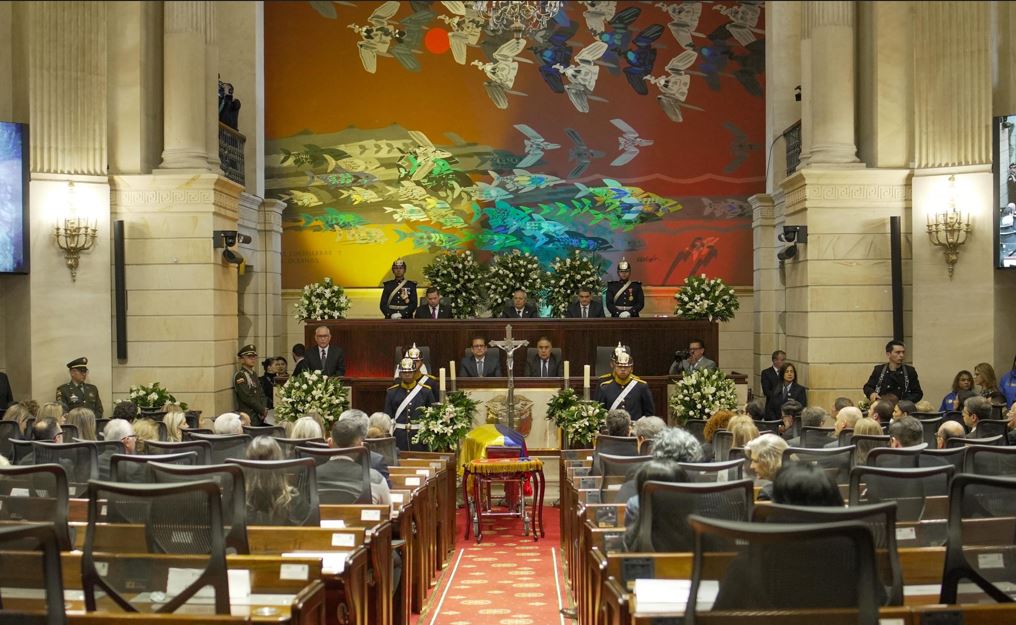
column 624, row 314
column 396, row 315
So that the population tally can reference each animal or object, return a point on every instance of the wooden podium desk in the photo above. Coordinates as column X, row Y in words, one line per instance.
column 369, row 344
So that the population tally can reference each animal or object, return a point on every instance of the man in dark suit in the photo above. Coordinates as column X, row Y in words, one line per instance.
column 895, row 377
column 771, row 376
column 377, row 461
column 434, row 309
column 480, row 364
column 324, row 356
column 543, row 364
column 585, row 307
column 6, row 394
column 519, row 308
column 343, row 478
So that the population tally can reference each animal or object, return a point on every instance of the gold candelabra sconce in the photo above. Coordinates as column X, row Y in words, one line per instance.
column 949, row 230
column 75, row 235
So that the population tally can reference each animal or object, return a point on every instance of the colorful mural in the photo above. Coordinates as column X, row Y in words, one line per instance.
column 405, row 129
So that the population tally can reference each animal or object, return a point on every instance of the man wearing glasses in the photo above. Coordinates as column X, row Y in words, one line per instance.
column 693, row 360
column 480, row 364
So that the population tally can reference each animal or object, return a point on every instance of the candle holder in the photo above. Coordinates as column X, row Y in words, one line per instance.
column 949, row 231
column 77, row 235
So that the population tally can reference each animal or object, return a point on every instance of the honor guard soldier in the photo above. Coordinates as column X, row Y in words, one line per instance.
column 626, row 391
column 402, row 402
column 624, row 297
column 620, row 349
column 421, row 373
column 398, row 298
column 77, row 393
column 250, row 397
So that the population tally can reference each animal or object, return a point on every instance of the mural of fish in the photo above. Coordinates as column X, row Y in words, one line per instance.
column 427, row 238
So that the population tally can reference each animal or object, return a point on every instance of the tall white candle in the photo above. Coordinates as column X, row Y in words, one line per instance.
column 567, row 367
column 441, row 379
column 451, row 366
column 585, row 376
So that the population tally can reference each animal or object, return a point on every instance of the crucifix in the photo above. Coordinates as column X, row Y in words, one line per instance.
column 509, row 345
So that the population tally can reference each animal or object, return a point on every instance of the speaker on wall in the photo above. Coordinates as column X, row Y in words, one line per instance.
column 120, row 286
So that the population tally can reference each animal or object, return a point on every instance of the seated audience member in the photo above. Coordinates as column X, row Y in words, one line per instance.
column 1007, row 384
column 126, row 410
column 377, row 461
column 383, row 422
column 31, row 405
column 962, row 397
column 673, row 444
column 618, row 423
column 948, row 429
column 52, row 410
column 176, row 423
column 765, row 454
column 270, row 500
column 906, row 431
column 718, row 421
column 881, row 411
column 645, row 430
column 904, row 408
column 805, row 484
column 845, row 420
column 341, row 473
column 519, row 307
column 20, row 414
column 975, row 409
column 985, row 380
column 924, row 406
column 146, row 430
column 585, row 307
column 228, row 423
column 656, row 470
column 306, row 427
column 789, row 413
column 813, row 417
column 756, row 409
column 867, row 427
column 480, row 364
column 789, row 389
column 544, row 364
column 840, row 404
column 46, row 430
column 83, row 419
column 743, row 429
column 116, row 430
column 963, row 381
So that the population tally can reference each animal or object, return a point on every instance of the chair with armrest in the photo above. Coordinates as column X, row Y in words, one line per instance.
column 990, row 460
column 19, row 449
column 31, row 557
column 276, row 431
column 186, row 433
column 619, row 466
column 281, row 492
column 232, row 490
column 134, row 468
column 289, row 445
column 36, row 493
column 70, row 432
column 930, row 422
column 178, row 519
column 659, row 529
column 908, row 487
column 343, row 473
column 100, row 426
column 696, row 427
column 711, row 472
column 386, row 447
column 835, row 461
column 896, row 457
column 723, row 440
column 953, row 455
column 225, row 446
column 79, row 460
column 813, row 437
column 8, row 430
column 202, row 448
column 964, row 442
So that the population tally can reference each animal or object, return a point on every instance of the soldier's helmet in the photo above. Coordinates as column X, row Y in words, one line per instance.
column 399, row 263
column 406, row 365
column 414, row 353
column 620, row 349
column 624, row 359
column 623, row 265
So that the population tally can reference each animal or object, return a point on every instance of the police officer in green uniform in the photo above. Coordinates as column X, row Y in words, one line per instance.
column 250, row 397
column 77, row 393
column 624, row 297
column 403, row 400
column 626, row 391
column 398, row 297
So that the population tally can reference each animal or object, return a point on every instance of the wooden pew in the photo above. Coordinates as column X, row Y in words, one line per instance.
column 449, row 482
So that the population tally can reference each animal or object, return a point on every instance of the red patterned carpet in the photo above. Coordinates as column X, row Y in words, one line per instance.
column 508, row 579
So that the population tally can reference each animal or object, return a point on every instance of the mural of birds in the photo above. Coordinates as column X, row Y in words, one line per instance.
column 699, row 253
column 597, row 14
column 739, row 147
column 618, row 37
column 582, row 76
column 684, row 19
column 535, row 144
column 674, row 85
column 501, row 73
column 581, row 153
column 377, row 38
column 743, row 20
column 629, row 142
column 466, row 26
column 555, row 49
column 641, row 58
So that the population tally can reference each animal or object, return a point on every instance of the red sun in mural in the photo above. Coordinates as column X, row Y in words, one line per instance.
column 436, row 40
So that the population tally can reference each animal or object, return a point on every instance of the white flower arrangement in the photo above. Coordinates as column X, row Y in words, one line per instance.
column 322, row 300
column 443, row 425
column 509, row 272
column 568, row 274
column 458, row 277
column 312, row 391
column 706, row 298
column 154, row 397
column 701, row 393
column 582, row 422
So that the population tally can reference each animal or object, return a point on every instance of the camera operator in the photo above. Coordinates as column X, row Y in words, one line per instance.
column 691, row 360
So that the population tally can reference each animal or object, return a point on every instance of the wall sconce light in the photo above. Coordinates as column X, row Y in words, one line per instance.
column 949, row 230
column 76, row 235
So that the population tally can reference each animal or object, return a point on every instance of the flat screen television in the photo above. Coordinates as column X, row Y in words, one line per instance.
column 14, row 165
column 1004, row 142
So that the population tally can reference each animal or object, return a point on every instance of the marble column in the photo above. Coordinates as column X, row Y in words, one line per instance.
column 783, row 76
column 827, row 62
column 768, row 293
column 211, row 88
column 185, row 67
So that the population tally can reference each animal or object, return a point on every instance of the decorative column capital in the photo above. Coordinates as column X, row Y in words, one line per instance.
column 833, row 13
column 186, row 16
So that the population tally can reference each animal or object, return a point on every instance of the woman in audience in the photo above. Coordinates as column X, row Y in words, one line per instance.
column 31, row 405
column 788, row 389
column 84, row 420
column 656, row 470
column 867, row 427
column 756, row 409
column 176, row 423
column 805, row 484
column 924, row 406
column 742, row 427
column 20, row 415
column 126, row 410
column 306, row 427
column 145, row 430
column 269, row 498
column 52, row 410
column 381, row 421
column 765, row 454
column 718, row 421
column 964, row 381
column 985, row 379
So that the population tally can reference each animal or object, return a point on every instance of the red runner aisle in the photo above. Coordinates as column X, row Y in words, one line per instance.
column 508, row 579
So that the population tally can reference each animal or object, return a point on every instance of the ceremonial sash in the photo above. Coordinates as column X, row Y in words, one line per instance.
column 624, row 393
column 407, row 400
column 398, row 287
column 624, row 287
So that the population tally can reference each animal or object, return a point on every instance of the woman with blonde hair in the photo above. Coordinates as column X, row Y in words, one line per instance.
column 306, row 427
column 145, row 430
column 51, row 410
column 269, row 497
column 765, row 454
column 176, row 423
column 868, row 427
column 985, row 379
column 743, row 428
column 83, row 419
column 20, row 415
